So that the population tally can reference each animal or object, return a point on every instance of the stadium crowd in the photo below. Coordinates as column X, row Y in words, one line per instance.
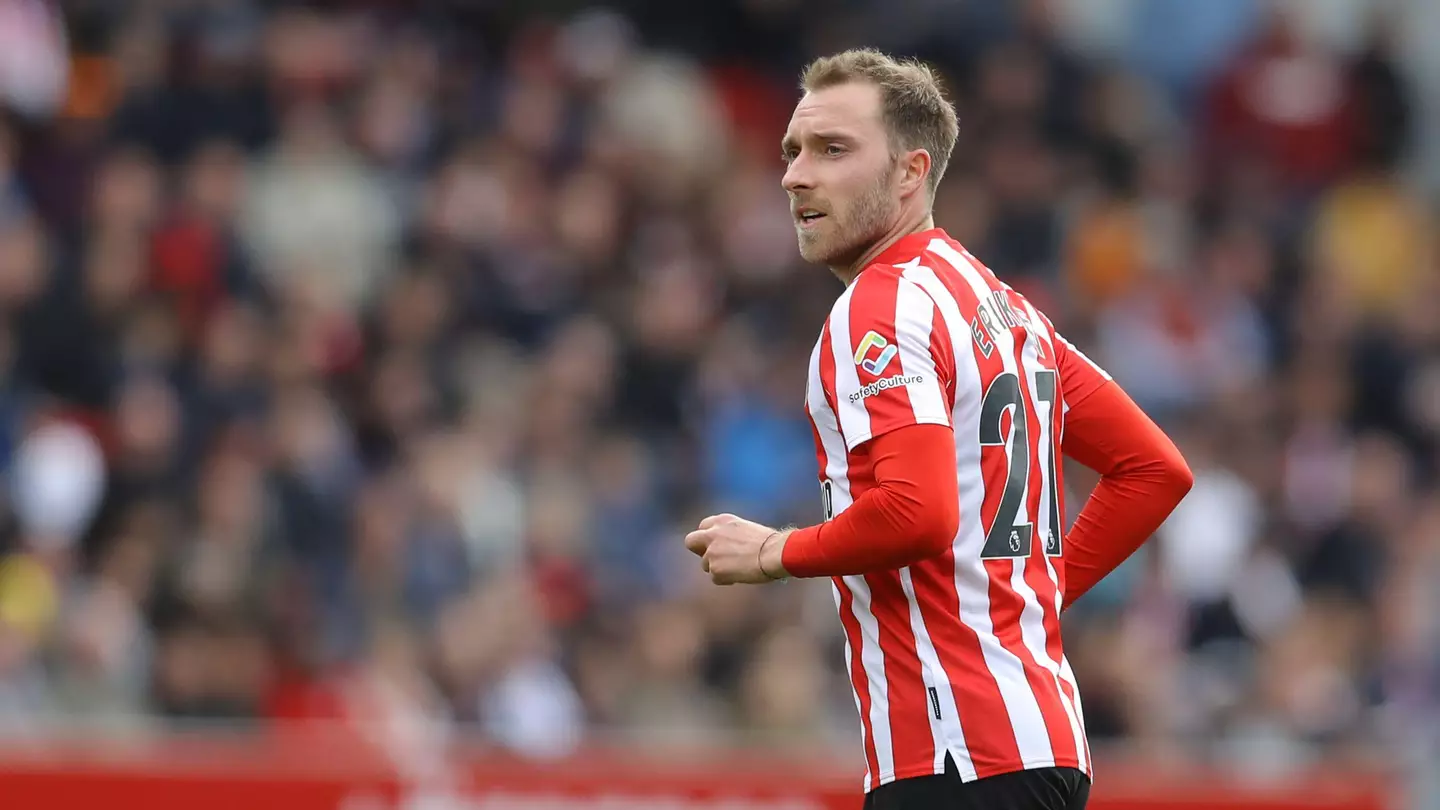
column 371, row 363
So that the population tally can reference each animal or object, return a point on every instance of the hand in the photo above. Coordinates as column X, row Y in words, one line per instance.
column 734, row 550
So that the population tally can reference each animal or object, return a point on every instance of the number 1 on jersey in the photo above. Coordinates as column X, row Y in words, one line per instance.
column 1046, row 389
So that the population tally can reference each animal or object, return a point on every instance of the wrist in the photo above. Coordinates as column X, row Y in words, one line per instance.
column 772, row 555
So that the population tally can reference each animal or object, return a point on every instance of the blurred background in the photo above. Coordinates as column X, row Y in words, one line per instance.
column 363, row 364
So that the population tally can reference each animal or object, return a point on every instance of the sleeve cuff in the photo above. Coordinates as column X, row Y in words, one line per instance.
column 802, row 555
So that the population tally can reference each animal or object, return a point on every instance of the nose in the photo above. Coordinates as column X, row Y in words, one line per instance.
column 798, row 176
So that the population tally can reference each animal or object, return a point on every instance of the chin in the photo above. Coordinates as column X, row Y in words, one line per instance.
column 820, row 252
column 812, row 252
column 811, row 255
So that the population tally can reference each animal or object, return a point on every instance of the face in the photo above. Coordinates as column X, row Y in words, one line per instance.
column 841, row 176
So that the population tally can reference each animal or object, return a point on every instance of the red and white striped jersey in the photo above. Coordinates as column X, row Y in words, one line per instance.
column 960, row 653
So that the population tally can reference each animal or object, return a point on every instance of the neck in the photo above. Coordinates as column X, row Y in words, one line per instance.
column 902, row 228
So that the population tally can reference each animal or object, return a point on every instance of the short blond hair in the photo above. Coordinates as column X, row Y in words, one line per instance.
column 916, row 113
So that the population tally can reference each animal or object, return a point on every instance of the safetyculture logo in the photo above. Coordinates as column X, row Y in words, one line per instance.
column 877, row 364
column 885, row 384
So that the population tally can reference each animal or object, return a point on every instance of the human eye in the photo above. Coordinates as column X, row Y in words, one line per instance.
column 834, row 150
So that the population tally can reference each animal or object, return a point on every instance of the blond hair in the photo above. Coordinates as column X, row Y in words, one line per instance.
column 916, row 113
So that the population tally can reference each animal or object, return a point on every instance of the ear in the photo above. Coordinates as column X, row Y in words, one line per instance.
column 914, row 169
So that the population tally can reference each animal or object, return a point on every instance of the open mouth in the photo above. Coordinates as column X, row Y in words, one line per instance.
column 809, row 218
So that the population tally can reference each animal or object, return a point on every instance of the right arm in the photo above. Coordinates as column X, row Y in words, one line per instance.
column 914, row 506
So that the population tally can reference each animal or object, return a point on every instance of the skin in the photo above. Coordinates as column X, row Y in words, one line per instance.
column 842, row 162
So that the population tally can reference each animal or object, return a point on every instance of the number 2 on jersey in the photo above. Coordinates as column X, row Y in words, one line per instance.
column 1010, row 536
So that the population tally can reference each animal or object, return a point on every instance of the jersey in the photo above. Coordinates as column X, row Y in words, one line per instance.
column 960, row 653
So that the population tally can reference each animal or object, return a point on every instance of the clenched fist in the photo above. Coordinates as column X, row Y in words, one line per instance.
column 734, row 550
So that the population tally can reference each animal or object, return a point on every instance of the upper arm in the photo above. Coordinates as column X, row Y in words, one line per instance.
column 1079, row 375
column 1110, row 434
column 1104, row 429
column 893, row 359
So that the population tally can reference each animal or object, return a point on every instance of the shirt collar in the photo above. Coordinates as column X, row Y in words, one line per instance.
column 908, row 247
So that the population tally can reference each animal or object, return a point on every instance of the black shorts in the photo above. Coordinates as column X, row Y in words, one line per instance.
column 1039, row 789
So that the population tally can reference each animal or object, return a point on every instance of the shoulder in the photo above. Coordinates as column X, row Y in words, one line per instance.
column 883, row 290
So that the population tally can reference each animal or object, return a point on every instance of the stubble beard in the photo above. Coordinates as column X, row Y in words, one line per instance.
column 861, row 228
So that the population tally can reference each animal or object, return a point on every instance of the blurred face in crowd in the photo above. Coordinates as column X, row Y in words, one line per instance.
column 842, row 177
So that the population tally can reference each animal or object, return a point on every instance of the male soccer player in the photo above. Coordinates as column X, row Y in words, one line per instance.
column 941, row 402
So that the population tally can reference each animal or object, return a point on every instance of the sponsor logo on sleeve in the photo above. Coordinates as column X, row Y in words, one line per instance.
column 875, row 353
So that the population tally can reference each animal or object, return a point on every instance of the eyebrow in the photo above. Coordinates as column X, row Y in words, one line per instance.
column 789, row 142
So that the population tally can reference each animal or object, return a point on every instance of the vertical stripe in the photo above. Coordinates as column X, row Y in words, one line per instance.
column 1038, row 619
column 902, row 726
column 853, row 419
column 916, row 325
column 1067, row 674
column 1056, row 418
column 944, row 353
column 873, row 658
column 822, row 414
column 859, row 675
column 814, row 399
column 909, row 705
column 937, row 678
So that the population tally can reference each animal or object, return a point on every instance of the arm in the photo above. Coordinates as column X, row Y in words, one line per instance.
column 1142, row 474
column 914, row 507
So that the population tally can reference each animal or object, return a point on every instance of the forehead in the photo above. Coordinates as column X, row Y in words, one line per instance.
column 853, row 107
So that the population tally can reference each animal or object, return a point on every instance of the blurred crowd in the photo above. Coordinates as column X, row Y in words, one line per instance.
column 369, row 360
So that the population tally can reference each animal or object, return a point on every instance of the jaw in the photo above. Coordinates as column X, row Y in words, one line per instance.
column 812, row 247
column 827, row 247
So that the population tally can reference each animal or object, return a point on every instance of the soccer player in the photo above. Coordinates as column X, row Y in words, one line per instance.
column 941, row 402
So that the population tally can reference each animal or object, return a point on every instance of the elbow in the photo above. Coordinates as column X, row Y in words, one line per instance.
column 923, row 521
column 937, row 532
column 1179, row 478
column 927, row 533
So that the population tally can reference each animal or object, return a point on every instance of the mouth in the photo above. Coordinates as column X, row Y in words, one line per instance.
column 808, row 217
